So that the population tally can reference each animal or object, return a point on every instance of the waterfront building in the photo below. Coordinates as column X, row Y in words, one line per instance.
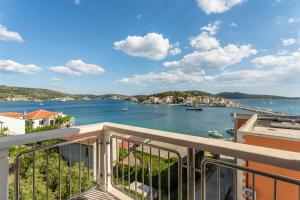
column 153, row 99
column 168, row 99
column 274, row 132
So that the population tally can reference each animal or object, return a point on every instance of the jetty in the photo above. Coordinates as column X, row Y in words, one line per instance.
column 256, row 110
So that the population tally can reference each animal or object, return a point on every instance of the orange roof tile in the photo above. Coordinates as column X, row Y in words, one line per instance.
column 40, row 114
column 12, row 114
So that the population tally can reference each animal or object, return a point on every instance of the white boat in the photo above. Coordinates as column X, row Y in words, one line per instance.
column 215, row 134
column 125, row 108
column 62, row 100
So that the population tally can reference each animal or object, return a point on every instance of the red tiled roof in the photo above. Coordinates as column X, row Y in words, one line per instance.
column 12, row 114
column 40, row 114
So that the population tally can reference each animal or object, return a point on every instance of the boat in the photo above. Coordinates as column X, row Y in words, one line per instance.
column 215, row 134
column 125, row 108
column 194, row 109
column 230, row 131
column 62, row 100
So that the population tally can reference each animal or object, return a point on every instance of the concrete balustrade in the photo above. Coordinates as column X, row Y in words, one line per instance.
column 280, row 158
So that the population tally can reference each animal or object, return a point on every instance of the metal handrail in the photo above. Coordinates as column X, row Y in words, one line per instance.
column 47, row 148
column 151, row 146
column 232, row 166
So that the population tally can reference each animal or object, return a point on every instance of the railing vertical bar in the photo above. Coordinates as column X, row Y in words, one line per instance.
column 47, row 178
column 89, row 175
column 33, row 174
column 191, row 173
column 135, row 173
column 143, row 172
column 112, row 158
column 70, row 172
column 253, row 186
column 128, row 164
column 150, row 174
column 59, row 172
column 203, row 181
column 275, row 189
column 169, row 177
column 159, row 176
column 17, row 177
column 117, row 159
column 123, row 182
column 298, row 192
column 218, row 183
column 79, row 167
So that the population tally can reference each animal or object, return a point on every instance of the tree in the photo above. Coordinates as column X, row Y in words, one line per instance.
column 56, row 180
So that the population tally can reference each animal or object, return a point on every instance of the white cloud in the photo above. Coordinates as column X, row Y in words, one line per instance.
column 174, row 49
column 212, row 28
column 283, row 60
column 139, row 16
column 216, row 58
column 288, row 41
column 204, row 41
column 153, row 46
column 174, row 76
column 77, row 2
column 77, row 67
column 217, row 6
column 232, row 24
column 293, row 20
column 56, row 79
column 7, row 35
column 14, row 67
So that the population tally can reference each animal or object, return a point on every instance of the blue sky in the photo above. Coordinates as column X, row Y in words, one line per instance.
column 142, row 47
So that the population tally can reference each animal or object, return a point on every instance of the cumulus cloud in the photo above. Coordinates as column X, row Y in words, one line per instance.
column 215, row 58
column 174, row 76
column 288, row 41
column 270, row 69
column 7, row 35
column 174, row 49
column 204, row 41
column 217, row 6
column 153, row 46
column 14, row 67
column 77, row 67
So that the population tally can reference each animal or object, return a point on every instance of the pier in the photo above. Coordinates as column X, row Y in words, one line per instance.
column 256, row 110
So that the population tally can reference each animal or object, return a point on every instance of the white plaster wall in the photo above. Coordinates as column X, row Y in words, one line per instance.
column 15, row 126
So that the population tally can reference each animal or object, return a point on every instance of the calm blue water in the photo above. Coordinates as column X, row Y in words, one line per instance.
column 289, row 106
column 162, row 117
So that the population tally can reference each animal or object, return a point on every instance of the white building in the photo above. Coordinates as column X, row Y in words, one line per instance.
column 168, row 99
column 40, row 118
column 14, row 122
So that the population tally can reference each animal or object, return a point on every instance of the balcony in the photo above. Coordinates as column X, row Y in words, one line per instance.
column 115, row 161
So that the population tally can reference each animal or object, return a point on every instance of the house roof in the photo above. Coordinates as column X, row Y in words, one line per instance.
column 12, row 114
column 40, row 114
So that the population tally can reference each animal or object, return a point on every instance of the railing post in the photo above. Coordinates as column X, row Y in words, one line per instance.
column 191, row 174
column 4, row 174
column 104, row 160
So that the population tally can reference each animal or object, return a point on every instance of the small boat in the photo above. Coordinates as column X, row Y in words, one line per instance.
column 125, row 108
column 215, row 134
column 230, row 131
column 194, row 109
column 62, row 100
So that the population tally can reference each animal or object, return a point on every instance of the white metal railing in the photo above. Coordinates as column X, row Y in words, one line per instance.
column 279, row 158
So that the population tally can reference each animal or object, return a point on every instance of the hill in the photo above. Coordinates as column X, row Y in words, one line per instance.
column 31, row 93
column 238, row 95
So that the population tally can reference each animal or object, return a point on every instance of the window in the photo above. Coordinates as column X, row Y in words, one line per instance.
column 41, row 122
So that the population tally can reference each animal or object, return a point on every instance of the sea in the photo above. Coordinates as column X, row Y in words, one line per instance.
column 161, row 117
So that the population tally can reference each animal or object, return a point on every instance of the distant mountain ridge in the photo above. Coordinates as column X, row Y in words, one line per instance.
column 10, row 92
column 239, row 95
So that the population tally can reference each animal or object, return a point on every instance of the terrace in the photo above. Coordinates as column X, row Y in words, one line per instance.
column 91, row 164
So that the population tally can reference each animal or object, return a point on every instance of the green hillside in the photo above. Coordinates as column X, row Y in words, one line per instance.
column 31, row 93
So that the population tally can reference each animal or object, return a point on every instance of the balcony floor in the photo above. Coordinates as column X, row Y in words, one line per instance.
column 94, row 194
